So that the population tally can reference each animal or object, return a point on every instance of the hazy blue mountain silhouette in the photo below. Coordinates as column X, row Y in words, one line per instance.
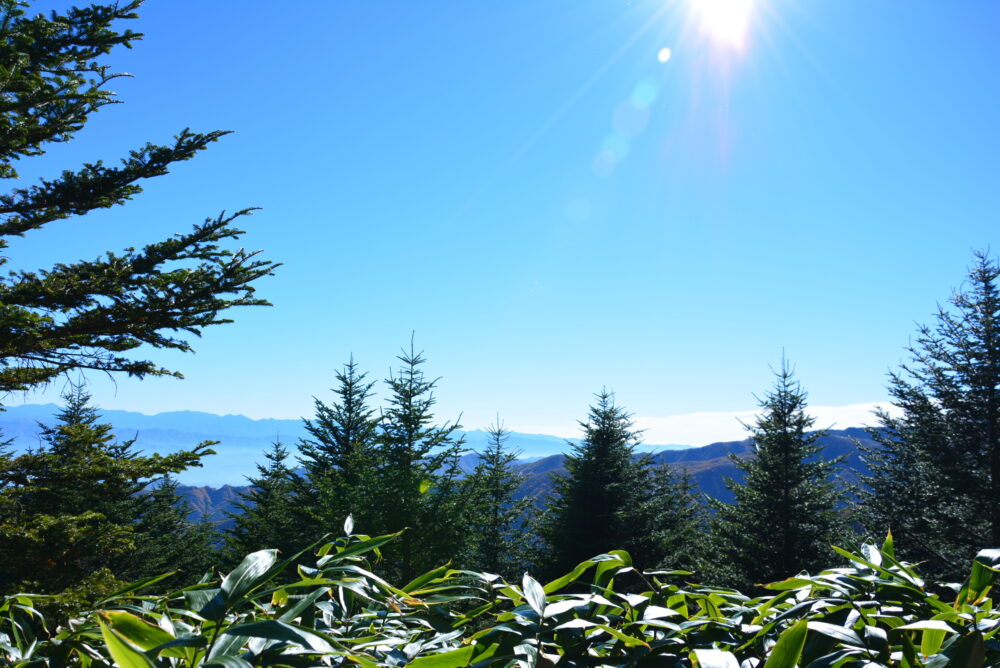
column 212, row 488
column 708, row 465
column 242, row 440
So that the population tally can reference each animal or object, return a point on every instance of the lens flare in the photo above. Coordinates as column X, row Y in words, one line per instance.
column 725, row 21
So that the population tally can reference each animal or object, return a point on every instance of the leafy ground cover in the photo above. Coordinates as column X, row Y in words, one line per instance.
column 328, row 607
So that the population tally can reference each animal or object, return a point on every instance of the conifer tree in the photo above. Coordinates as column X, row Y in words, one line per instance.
column 608, row 499
column 418, row 474
column 95, row 314
column 339, row 457
column 71, row 509
column 167, row 539
column 786, row 512
column 266, row 514
column 496, row 519
column 935, row 474
column 672, row 523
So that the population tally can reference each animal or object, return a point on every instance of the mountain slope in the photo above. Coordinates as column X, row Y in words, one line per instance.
column 708, row 465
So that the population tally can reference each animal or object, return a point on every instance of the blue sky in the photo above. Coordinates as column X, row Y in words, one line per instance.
column 552, row 209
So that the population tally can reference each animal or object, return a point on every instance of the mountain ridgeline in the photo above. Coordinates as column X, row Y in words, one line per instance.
column 241, row 440
column 212, row 489
column 709, row 467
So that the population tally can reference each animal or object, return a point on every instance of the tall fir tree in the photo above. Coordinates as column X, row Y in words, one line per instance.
column 935, row 473
column 340, row 457
column 103, row 314
column 418, row 474
column 266, row 515
column 788, row 510
column 608, row 499
column 72, row 508
column 496, row 520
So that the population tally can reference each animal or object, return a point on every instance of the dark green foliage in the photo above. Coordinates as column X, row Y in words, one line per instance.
column 418, row 474
column 166, row 539
column 72, row 508
column 496, row 522
column 786, row 513
column 936, row 475
column 94, row 314
column 266, row 515
column 340, row 457
column 611, row 499
column 331, row 610
column 674, row 518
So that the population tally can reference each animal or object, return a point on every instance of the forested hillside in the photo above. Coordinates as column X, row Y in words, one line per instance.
column 709, row 466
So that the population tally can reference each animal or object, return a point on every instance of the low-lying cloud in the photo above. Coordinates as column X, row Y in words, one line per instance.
column 712, row 427
column 705, row 428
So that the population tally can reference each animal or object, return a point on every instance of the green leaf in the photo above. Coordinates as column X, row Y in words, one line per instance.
column 607, row 569
column 453, row 659
column 790, row 583
column 630, row 641
column 838, row 633
column 273, row 629
column 981, row 578
column 909, row 652
column 534, row 593
column 485, row 652
column 715, row 658
column 227, row 662
column 931, row 642
column 989, row 558
column 248, row 574
column 123, row 653
column 572, row 576
column 425, row 485
column 363, row 660
column 933, row 634
column 357, row 548
column 872, row 554
column 887, row 546
column 299, row 606
column 137, row 631
column 423, row 579
column 927, row 625
column 786, row 653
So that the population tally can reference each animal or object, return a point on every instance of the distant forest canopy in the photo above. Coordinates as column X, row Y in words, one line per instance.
column 709, row 467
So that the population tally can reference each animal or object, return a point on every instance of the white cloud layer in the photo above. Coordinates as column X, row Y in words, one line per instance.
column 705, row 428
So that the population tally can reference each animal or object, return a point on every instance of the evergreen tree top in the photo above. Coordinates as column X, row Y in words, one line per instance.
column 783, row 427
column 340, row 429
column 407, row 423
column 607, row 426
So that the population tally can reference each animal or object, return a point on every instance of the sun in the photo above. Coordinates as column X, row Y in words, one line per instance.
column 725, row 21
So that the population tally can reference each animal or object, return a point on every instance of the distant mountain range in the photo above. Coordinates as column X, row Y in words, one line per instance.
column 212, row 489
column 709, row 466
column 242, row 440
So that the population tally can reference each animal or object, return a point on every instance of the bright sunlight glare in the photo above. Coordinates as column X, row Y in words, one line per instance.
column 726, row 21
